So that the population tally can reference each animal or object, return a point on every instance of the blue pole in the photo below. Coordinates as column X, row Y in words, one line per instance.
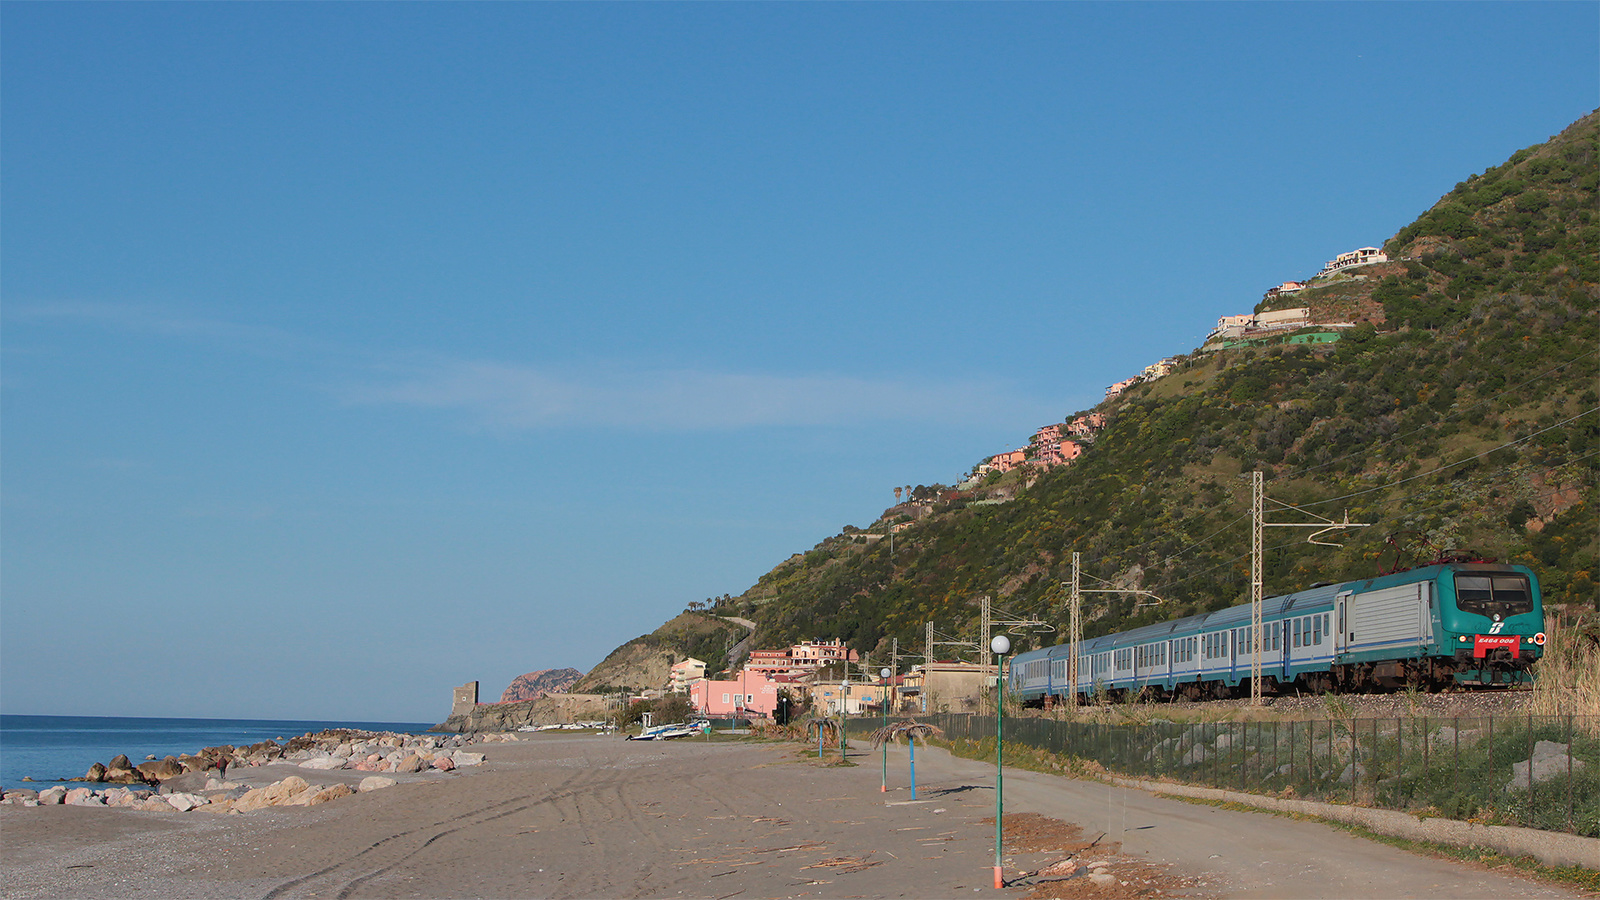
column 913, row 743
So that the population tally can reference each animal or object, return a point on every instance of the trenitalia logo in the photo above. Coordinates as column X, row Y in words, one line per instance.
column 1487, row 642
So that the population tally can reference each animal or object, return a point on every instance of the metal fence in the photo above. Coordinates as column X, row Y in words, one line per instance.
column 1539, row 772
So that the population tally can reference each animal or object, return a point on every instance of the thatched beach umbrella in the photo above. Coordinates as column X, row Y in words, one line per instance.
column 913, row 731
column 826, row 732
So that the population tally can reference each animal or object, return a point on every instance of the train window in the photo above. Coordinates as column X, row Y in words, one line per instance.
column 1500, row 595
column 1316, row 630
column 1297, row 632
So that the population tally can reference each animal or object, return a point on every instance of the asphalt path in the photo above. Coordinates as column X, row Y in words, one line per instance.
column 1236, row 854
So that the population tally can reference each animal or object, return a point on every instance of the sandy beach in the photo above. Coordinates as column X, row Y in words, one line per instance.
column 581, row 816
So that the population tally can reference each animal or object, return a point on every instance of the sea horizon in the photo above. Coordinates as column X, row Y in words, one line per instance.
column 54, row 749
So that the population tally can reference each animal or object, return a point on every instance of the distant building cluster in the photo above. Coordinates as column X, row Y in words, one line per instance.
column 754, row 690
column 1052, row 445
column 1251, row 327
column 1235, row 327
column 1159, row 369
column 1363, row 257
column 1060, row 445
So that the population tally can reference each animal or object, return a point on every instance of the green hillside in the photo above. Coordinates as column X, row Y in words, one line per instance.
column 1459, row 414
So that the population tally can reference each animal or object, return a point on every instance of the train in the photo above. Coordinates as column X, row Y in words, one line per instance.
column 1428, row 628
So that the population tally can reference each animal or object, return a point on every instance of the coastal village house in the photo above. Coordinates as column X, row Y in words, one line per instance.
column 1363, row 257
column 854, row 697
column 799, row 660
column 684, row 674
column 747, row 694
column 954, row 686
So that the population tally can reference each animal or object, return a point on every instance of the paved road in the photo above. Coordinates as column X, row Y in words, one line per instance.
column 1238, row 854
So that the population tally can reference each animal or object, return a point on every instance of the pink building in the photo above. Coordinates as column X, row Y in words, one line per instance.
column 1083, row 426
column 1005, row 462
column 798, row 659
column 1058, row 453
column 749, row 694
column 1120, row 386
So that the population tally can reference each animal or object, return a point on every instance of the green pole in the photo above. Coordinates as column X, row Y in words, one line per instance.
column 844, row 704
column 885, row 744
column 999, row 645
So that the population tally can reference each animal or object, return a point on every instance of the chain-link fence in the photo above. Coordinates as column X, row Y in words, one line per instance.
column 1540, row 772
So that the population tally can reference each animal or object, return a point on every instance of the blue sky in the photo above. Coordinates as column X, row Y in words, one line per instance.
column 356, row 351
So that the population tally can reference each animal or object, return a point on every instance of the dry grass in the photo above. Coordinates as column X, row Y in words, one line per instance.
column 1565, row 682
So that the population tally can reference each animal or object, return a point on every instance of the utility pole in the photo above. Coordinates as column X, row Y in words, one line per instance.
column 1075, row 625
column 983, row 636
column 1075, row 638
column 1257, row 523
column 927, row 656
column 990, row 622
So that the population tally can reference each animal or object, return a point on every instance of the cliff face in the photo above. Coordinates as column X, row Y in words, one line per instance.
column 534, row 685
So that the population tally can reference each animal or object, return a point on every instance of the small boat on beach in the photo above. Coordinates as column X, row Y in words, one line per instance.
column 664, row 732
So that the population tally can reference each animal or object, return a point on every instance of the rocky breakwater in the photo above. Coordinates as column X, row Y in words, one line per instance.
column 235, row 780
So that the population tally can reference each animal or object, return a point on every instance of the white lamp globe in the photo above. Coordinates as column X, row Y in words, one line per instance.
column 1001, row 644
column 885, row 673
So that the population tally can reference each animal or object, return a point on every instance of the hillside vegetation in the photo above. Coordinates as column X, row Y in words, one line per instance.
column 646, row 661
column 1459, row 414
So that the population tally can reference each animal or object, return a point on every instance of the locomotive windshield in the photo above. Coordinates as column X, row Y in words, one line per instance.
column 1495, row 596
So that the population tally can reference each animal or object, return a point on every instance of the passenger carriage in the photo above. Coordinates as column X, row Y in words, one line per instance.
column 1448, row 623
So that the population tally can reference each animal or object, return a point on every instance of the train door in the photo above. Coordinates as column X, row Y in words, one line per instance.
column 1342, row 625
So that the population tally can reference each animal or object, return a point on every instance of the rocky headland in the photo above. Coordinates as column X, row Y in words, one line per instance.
column 534, row 685
column 551, row 709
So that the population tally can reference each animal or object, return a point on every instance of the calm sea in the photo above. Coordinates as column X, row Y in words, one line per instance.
column 55, row 748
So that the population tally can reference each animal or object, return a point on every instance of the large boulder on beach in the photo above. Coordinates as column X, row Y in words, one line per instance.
column 410, row 765
column 195, row 763
column 185, row 802
column 161, row 769
column 324, row 763
column 372, row 783
column 120, row 771
column 280, row 793
column 97, row 772
column 268, row 749
column 52, row 796
column 323, row 795
column 84, row 797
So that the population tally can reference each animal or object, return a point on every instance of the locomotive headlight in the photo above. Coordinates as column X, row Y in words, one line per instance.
column 1461, row 638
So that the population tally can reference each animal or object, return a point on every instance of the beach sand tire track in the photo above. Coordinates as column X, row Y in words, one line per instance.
column 435, row 830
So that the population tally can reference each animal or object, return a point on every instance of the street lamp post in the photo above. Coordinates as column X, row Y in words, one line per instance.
column 1001, row 645
column 844, row 711
column 884, row 674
